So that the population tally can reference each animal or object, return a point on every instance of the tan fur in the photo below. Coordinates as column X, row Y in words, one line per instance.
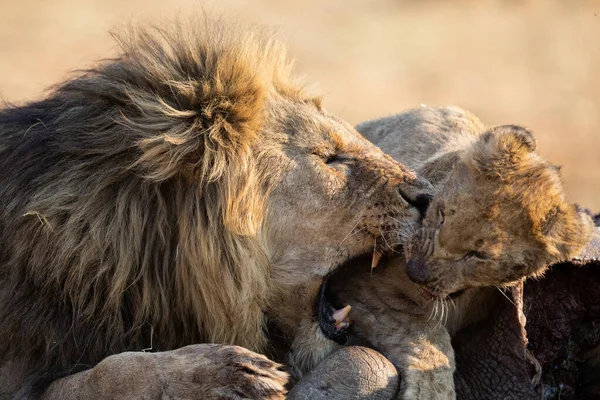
column 499, row 215
column 499, row 211
column 180, row 193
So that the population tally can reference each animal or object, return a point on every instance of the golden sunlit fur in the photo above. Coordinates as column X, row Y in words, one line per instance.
column 180, row 193
column 499, row 211
column 498, row 215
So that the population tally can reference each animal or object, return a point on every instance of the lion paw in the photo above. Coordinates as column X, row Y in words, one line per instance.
column 243, row 374
column 203, row 371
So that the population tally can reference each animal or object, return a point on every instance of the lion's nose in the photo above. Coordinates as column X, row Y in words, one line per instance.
column 417, row 271
column 419, row 200
column 417, row 192
column 422, row 202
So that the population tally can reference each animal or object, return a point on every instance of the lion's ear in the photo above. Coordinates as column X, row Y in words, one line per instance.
column 567, row 230
column 502, row 147
column 512, row 138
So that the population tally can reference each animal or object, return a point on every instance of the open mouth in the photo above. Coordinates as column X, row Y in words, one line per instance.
column 334, row 323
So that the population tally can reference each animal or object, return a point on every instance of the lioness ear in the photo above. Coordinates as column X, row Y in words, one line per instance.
column 567, row 230
column 502, row 147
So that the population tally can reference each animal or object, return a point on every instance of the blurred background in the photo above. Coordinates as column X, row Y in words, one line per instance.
column 535, row 63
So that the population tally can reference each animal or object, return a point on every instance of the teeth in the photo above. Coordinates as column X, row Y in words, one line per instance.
column 376, row 257
column 342, row 325
column 340, row 316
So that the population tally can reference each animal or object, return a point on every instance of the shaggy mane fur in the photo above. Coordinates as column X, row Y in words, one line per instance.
column 130, row 200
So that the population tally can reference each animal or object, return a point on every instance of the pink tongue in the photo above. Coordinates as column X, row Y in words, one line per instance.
column 341, row 317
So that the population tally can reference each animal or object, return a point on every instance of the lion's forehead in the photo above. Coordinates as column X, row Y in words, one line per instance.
column 303, row 127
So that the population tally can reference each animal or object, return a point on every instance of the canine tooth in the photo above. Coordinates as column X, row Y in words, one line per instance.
column 376, row 257
column 342, row 325
column 340, row 315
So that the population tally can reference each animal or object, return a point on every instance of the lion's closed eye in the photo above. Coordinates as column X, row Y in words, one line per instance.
column 331, row 159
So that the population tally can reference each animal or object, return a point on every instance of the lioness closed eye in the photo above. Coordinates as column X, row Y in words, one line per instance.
column 498, row 215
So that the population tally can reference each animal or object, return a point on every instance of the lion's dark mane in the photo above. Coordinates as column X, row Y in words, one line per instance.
column 113, row 190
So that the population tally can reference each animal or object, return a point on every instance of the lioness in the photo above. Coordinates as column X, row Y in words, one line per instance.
column 498, row 215
column 186, row 192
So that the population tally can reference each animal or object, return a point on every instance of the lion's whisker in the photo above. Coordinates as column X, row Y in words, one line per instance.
column 437, row 308
column 451, row 301
column 395, row 219
column 507, row 298
column 441, row 317
column 442, row 312
column 352, row 233
column 431, row 313
column 447, row 311
column 434, row 316
column 385, row 240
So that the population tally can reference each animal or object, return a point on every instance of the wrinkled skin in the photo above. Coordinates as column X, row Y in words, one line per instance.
column 350, row 373
column 498, row 216
column 491, row 354
column 563, row 320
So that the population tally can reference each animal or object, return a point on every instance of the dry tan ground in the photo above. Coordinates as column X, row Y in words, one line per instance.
column 528, row 62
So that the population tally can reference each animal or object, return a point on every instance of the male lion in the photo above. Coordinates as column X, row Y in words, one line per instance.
column 184, row 192
column 498, row 215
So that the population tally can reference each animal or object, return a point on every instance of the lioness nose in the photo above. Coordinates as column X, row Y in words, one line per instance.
column 417, row 271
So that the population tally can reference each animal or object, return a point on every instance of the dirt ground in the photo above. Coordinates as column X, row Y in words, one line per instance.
column 534, row 63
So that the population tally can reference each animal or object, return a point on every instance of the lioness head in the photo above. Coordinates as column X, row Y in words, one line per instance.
column 500, row 216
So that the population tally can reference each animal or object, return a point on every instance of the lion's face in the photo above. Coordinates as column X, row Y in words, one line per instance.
column 499, row 217
column 338, row 197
